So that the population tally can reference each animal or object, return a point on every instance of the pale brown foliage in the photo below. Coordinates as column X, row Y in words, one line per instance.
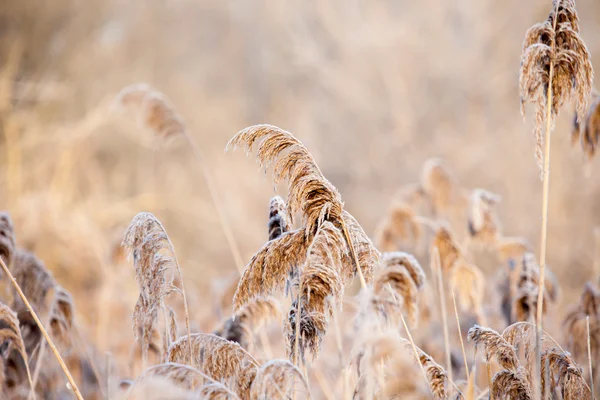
column 182, row 375
column 447, row 247
column 554, row 46
column 275, row 380
column 519, row 290
column 468, row 283
column 218, row 358
column 399, row 226
column 575, row 329
column 269, row 267
column 309, row 192
column 153, row 255
column 439, row 185
column 588, row 130
column 321, row 288
column 436, row 375
column 11, row 339
column 511, row 385
column 396, row 287
column 564, row 374
column 152, row 109
column 7, row 239
column 483, row 222
column 512, row 248
column 50, row 301
column 248, row 319
column 278, row 218
column 495, row 346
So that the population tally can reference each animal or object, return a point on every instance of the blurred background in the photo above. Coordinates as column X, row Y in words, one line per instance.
column 372, row 88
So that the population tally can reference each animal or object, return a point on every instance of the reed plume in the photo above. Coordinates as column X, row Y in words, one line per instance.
column 520, row 290
column 184, row 376
column 401, row 279
column 309, row 192
column 153, row 254
column 512, row 248
column 43, row 331
column 11, row 339
column 436, row 375
column 564, row 374
column 575, row 326
column 511, row 385
column 484, row 225
column 449, row 250
column 218, row 358
column 439, row 185
column 276, row 380
column 495, row 346
column 278, row 218
column 269, row 268
column 248, row 319
column 52, row 302
column 152, row 109
column 321, row 288
column 555, row 67
column 398, row 227
column 468, row 282
column 587, row 131
column 7, row 239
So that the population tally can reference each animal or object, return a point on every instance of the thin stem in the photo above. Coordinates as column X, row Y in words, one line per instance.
column 414, row 346
column 589, row 351
column 436, row 264
column 218, row 204
column 545, row 198
column 43, row 330
column 462, row 344
column 363, row 283
column 488, row 368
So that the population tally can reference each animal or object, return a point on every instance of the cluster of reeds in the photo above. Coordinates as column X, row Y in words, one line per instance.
column 393, row 337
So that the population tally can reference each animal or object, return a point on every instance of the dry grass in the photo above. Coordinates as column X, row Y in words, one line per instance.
column 405, row 153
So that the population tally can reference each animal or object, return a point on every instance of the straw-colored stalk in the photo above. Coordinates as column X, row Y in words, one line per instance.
column 462, row 344
column 589, row 351
column 436, row 264
column 43, row 330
